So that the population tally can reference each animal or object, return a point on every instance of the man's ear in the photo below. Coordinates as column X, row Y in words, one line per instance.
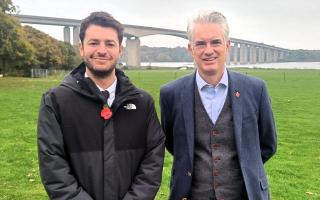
column 81, row 50
column 228, row 44
column 121, row 50
column 190, row 49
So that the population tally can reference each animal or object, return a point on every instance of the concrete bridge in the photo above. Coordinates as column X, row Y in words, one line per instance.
column 241, row 52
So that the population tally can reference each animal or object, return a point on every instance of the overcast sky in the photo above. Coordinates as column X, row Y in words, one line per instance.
column 292, row 24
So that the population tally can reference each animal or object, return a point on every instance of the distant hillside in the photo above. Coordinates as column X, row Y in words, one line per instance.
column 181, row 54
column 163, row 54
column 301, row 55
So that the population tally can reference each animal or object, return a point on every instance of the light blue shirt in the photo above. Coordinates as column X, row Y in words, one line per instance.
column 213, row 97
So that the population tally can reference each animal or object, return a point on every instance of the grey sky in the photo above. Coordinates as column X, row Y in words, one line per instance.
column 293, row 24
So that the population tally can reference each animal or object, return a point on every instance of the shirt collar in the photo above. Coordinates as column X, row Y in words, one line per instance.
column 202, row 83
column 111, row 89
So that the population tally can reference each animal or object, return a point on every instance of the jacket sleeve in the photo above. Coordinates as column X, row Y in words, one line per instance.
column 55, row 171
column 148, row 178
column 166, row 121
column 267, row 129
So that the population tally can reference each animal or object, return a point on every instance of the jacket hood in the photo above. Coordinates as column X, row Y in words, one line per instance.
column 86, row 87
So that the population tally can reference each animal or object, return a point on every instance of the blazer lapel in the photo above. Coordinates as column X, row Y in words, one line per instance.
column 187, row 98
column 236, row 102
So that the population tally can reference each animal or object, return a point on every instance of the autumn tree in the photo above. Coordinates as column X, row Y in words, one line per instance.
column 15, row 50
column 6, row 6
column 71, row 56
column 48, row 53
column 26, row 47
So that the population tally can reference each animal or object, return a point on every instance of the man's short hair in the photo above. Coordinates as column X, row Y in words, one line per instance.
column 208, row 16
column 103, row 19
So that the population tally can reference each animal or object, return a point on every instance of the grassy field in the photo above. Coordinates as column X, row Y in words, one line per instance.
column 294, row 172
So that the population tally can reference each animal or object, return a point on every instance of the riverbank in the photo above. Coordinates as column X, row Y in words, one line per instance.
column 190, row 65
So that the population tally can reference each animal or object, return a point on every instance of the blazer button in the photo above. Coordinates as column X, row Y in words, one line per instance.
column 215, row 146
column 189, row 173
column 216, row 158
column 215, row 132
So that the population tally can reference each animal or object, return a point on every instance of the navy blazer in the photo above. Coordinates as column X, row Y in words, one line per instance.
column 254, row 129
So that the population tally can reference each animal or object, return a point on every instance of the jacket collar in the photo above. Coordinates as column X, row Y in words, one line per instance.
column 85, row 86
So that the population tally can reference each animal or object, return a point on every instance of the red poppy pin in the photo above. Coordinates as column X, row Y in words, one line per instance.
column 106, row 112
column 237, row 94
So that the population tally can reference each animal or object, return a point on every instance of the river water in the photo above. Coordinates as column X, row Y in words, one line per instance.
column 286, row 65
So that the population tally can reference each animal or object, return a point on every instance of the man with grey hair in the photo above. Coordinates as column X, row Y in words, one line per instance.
column 219, row 124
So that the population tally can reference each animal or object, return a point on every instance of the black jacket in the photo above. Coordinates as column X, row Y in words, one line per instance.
column 83, row 156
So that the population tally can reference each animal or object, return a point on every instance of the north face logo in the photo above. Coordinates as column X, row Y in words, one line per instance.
column 130, row 106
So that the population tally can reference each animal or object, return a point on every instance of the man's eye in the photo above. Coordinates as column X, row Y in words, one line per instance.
column 93, row 43
column 110, row 44
column 200, row 44
column 216, row 42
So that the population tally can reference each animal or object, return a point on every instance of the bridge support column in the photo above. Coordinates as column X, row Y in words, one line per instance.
column 243, row 54
column 261, row 58
column 268, row 56
column 275, row 56
column 253, row 54
column 66, row 34
column 76, row 31
column 235, row 53
column 281, row 55
column 133, row 52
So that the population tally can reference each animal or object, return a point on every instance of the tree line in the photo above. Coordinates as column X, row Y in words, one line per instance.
column 181, row 54
column 24, row 47
column 164, row 54
column 301, row 55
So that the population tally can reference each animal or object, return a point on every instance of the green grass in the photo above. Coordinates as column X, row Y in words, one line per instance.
column 294, row 172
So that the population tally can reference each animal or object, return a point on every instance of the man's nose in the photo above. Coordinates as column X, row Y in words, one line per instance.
column 102, row 49
column 209, row 49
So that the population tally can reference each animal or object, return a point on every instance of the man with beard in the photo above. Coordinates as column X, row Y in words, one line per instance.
column 98, row 135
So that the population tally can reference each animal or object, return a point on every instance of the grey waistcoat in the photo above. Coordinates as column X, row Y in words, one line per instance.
column 216, row 172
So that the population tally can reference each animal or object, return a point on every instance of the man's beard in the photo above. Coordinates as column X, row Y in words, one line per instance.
column 100, row 73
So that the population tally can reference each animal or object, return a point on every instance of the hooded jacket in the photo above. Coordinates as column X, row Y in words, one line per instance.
column 83, row 156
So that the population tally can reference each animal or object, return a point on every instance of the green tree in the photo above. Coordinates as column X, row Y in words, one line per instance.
column 302, row 55
column 7, row 6
column 51, row 53
column 48, row 52
column 71, row 56
column 15, row 51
